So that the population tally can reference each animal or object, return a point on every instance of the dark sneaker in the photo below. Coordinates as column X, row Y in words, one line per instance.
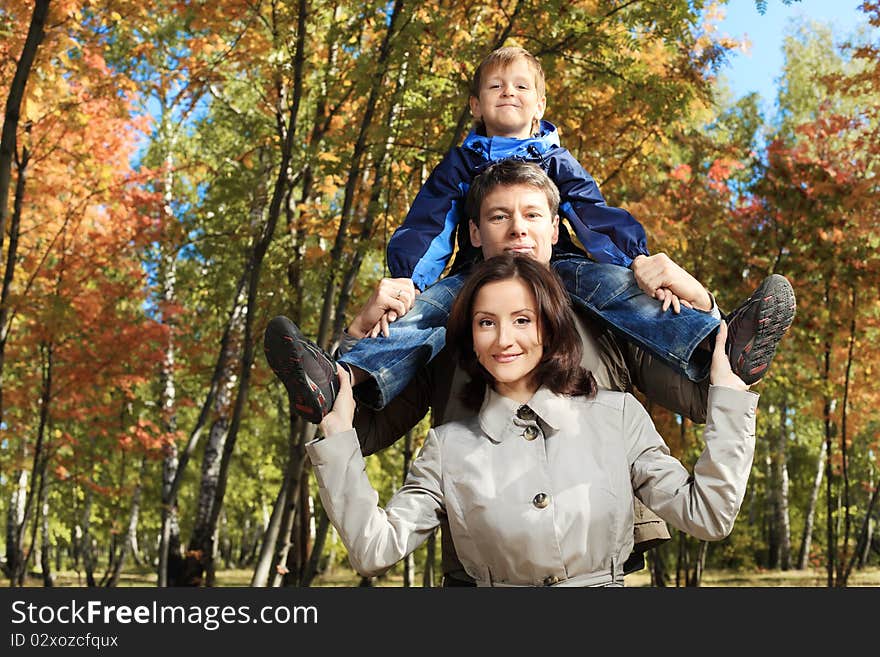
column 306, row 370
column 757, row 326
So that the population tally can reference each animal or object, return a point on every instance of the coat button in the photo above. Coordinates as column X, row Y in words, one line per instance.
column 550, row 580
column 525, row 413
column 531, row 432
column 541, row 500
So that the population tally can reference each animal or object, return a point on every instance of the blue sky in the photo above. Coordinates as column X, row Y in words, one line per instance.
column 759, row 69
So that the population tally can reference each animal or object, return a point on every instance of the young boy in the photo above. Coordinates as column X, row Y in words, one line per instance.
column 508, row 101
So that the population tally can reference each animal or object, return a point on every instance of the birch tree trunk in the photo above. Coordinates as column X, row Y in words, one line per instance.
column 807, row 537
column 129, row 542
column 780, row 555
column 45, row 541
column 315, row 558
column 169, row 544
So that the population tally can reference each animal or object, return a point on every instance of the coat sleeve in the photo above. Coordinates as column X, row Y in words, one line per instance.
column 610, row 235
column 706, row 503
column 376, row 538
column 421, row 246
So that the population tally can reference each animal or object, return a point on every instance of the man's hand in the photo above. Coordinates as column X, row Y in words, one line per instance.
column 720, row 373
column 392, row 298
column 341, row 416
column 659, row 277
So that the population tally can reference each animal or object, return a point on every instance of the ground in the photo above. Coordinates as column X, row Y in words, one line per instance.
column 343, row 577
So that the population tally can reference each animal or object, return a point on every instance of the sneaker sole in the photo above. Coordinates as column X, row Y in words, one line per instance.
column 282, row 335
column 775, row 316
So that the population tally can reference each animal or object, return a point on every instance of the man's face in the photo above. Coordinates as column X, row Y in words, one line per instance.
column 516, row 219
column 508, row 103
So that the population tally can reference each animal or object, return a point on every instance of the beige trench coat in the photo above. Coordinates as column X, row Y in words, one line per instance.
column 542, row 494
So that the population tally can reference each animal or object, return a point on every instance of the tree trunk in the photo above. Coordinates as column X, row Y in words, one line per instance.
column 38, row 466
column 682, row 562
column 130, row 540
column 807, row 537
column 169, row 544
column 430, row 555
column 657, row 562
column 408, row 563
column 265, row 559
column 358, row 153
column 780, row 556
column 86, row 542
column 14, row 519
column 861, row 550
column 700, row 564
column 253, row 269
column 843, row 565
column 45, row 542
column 830, row 550
column 314, row 564
column 9, row 140
column 11, row 260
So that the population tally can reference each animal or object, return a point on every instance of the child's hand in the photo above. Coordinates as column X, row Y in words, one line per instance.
column 341, row 416
column 659, row 272
column 392, row 298
column 720, row 373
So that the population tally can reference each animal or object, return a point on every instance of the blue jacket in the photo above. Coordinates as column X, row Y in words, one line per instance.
column 421, row 247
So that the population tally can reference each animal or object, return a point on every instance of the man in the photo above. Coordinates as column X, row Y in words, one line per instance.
column 513, row 207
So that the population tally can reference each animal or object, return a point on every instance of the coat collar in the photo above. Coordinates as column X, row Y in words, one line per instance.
column 498, row 148
column 499, row 415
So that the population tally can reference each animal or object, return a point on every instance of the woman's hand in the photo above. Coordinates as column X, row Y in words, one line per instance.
column 341, row 416
column 720, row 373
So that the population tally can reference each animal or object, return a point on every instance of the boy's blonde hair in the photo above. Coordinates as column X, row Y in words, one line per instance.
column 503, row 57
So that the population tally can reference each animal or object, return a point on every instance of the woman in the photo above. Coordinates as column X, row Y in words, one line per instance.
column 538, row 485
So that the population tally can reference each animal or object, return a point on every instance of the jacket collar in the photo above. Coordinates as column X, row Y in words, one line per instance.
column 499, row 418
column 499, row 148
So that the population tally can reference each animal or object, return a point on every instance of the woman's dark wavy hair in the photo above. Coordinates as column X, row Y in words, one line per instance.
column 560, row 368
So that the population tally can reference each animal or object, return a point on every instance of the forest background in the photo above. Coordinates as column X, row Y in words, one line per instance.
column 174, row 174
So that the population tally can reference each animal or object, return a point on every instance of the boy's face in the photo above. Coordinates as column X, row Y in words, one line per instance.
column 508, row 103
column 516, row 219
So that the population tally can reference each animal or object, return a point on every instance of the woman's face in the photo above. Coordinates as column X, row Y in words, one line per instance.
column 507, row 336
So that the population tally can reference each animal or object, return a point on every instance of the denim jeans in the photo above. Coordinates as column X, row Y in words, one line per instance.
column 607, row 292
column 611, row 294
column 413, row 341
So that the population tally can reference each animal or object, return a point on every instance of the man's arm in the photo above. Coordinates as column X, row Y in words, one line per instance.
column 377, row 430
column 664, row 386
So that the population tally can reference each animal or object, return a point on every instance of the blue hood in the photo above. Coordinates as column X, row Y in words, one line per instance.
column 499, row 148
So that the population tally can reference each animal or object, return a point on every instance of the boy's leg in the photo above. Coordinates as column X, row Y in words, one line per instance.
column 611, row 293
column 413, row 341
column 755, row 327
column 309, row 373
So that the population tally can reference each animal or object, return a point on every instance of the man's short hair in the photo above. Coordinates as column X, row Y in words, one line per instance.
column 504, row 57
column 506, row 173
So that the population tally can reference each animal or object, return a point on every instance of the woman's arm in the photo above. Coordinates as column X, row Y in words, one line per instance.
column 706, row 503
column 375, row 538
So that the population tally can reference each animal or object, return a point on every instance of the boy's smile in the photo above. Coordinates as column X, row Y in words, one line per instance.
column 508, row 104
